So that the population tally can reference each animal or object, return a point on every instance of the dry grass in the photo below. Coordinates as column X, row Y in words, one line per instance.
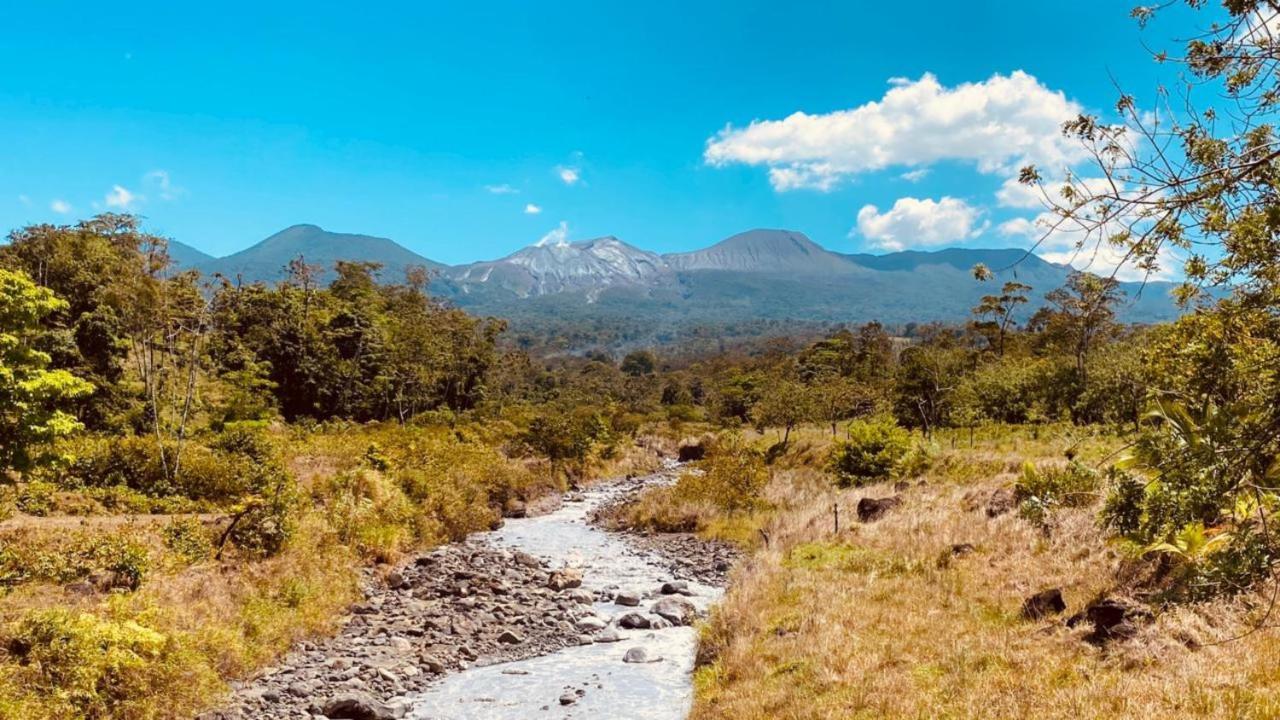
column 880, row 621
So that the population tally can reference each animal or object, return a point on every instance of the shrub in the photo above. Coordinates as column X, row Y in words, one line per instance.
column 88, row 666
column 36, row 498
column 873, row 451
column 1042, row 489
column 731, row 477
column 188, row 538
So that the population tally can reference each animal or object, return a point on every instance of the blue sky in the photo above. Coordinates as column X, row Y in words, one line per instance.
column 439, row 124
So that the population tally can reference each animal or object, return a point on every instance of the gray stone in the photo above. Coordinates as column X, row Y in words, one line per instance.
column 675, row 609
column 358, row 706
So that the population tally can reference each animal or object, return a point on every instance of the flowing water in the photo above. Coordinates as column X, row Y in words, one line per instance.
column 614, row 690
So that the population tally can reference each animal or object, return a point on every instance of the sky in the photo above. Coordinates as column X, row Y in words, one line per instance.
column 465, row 131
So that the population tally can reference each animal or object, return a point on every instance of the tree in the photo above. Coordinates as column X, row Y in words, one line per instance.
column 1080, row 313
column 784, row 403
column 639, row 362
column 999, row 309
column 31, row 395
column 1201, row 178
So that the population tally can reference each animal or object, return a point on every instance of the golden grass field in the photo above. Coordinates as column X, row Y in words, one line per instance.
column 879, row 620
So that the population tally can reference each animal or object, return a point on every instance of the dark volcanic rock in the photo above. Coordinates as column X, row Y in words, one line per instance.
column 872, row 509
column 1043, row 603
column 1112, row 619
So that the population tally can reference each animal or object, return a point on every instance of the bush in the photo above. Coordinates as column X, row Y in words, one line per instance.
column 730, row 477
column 1042, row 489
column 87, row 666
column 188, row 538
column 36, row 498
column 873, row 452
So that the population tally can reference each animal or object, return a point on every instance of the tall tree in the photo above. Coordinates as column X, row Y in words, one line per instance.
column 31, row 395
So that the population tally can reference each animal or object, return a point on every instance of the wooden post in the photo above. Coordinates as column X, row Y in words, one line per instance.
column 835, row 513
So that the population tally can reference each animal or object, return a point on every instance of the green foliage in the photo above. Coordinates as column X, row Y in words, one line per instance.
column 188, row 538
column 121, row 557
column 31, row 395
column 88, row 666
column 1041, row 489
column 730, row 477
column 873, row 451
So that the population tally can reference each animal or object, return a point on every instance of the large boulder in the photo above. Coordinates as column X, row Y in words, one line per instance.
column 675, row 609
column 565, row 579
column 359, row 706
column 634, row 621
column 1044, row 603
column 872, row 509
column 692, row 452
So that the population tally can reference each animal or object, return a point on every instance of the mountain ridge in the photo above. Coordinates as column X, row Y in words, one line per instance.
column 772, row 274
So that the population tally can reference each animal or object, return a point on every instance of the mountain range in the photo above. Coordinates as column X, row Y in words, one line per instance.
column 760, row 274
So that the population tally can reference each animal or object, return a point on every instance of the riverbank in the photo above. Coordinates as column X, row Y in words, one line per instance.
column 534, row 588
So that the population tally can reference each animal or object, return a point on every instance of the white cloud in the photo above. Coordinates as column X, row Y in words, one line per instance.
column 163, row 185
column 1014, row 194
column 121, row 198
column 556, row 238
column 568, row 175
column 1067, row 243
column 913, row 222
column 915, row 175
column 62, row 207
column 997, row 124
column 531, row 209
column 503, row 189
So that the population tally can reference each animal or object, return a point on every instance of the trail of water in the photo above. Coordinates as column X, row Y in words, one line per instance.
column 610, row 688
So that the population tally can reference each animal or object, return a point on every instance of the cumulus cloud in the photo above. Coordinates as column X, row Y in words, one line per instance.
column 914, row 222
column 997, row 125
column 915, row 175
column 503, row 189
column 1066, row 243
column 62, row 207
column 531, row 209
column 568, row 175
column 557, row 237
column 121, row 198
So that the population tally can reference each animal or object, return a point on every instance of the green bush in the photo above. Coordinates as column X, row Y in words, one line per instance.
column 873, row 452
column 731, row 477
column 90, row 667
column 36, row 498
column 1041, row 489
column 188, row 538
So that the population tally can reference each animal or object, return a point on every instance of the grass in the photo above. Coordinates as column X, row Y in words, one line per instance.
column 166, row 645
column 882, row 621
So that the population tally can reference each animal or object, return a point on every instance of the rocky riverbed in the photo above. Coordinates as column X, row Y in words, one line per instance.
column 446, row 629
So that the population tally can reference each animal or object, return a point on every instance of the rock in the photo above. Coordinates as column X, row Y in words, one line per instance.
column 1001, row 501
column 400, row 645
column 675, row 587
column 580, row 596
column 396, row 580
column 568, row 699
column 675, row 609
column 638, row 655
column 1112, row 619
column 690, row 453
column 510, row 638
column 962, row 549
column 358, row 706
column 565, row 579
column 271, row 696
column 872, row 509
column 431, row 663
column 590, row 624
column 633, row 621
column 517, row 509
column 608, row 635
column 1046, row 602
column 527, row 560
column 627, row 598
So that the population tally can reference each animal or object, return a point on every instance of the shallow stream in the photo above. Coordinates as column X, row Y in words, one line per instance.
column 657, row 690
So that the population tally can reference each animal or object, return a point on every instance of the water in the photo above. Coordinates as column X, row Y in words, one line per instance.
column 616, row 690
